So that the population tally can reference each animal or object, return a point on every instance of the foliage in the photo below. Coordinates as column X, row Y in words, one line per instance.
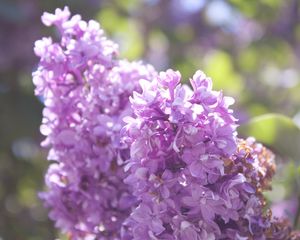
column 276, row 131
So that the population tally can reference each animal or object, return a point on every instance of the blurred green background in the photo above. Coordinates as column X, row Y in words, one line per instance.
column 251, row 49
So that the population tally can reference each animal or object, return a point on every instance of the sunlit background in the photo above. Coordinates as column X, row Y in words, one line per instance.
column 251, row 49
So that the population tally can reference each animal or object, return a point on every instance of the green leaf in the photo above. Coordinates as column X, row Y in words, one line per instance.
column 277, row 131
column 126, row 32
column 219, row 66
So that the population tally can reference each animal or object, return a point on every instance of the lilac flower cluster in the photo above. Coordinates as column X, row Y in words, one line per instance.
column 137, row 154
column 86, row 95
column 180, row 140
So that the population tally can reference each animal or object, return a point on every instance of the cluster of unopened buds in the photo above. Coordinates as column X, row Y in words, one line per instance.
column 139, row 155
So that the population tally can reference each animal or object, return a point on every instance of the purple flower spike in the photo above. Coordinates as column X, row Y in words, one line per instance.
column 192, row 177
column 86, row 95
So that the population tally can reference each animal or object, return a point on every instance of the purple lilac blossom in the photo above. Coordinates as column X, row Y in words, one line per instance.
column 192, row 177
column 187, row 175
column 86, row 95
